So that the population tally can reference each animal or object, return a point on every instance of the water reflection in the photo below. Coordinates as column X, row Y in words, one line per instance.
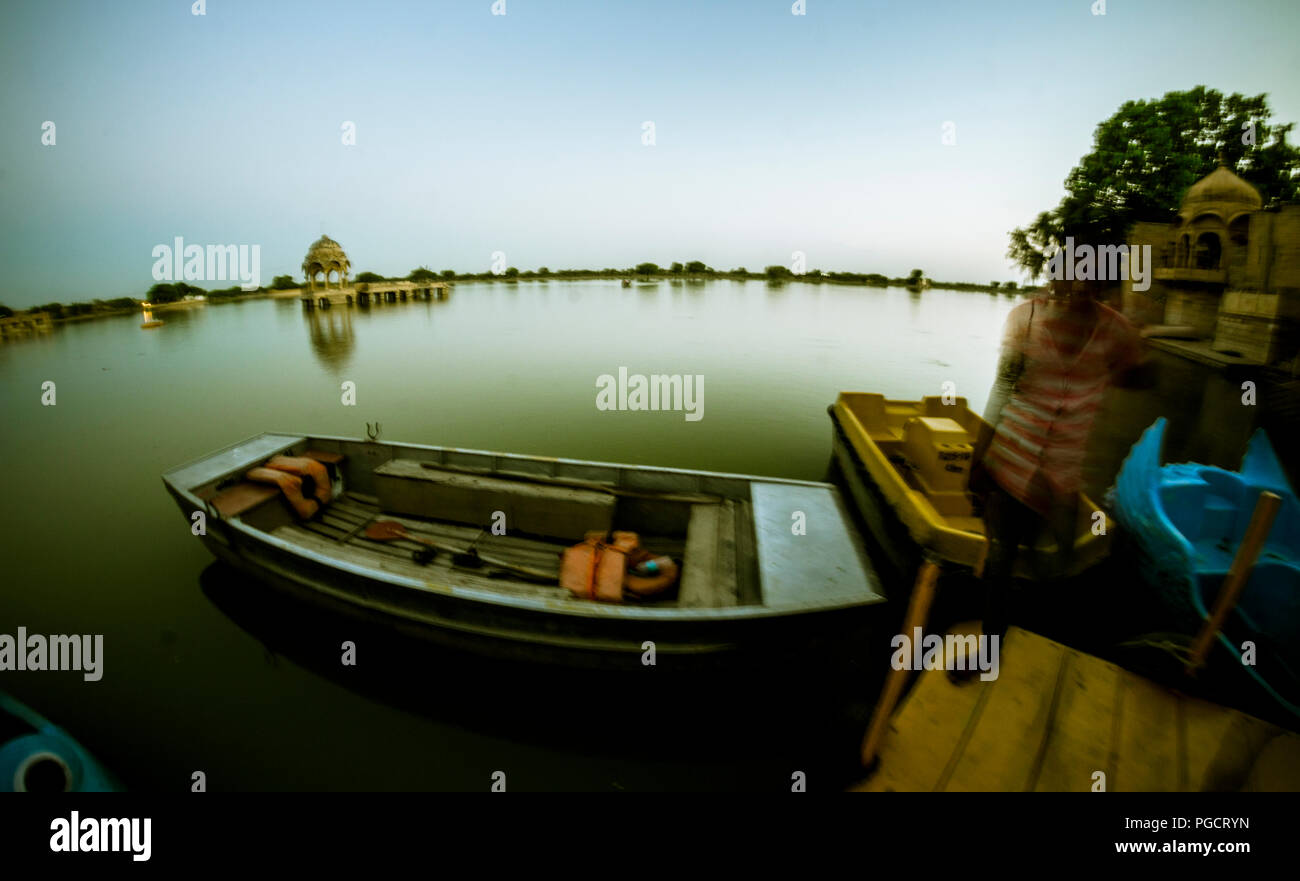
column 666, row 717
column 332, row 331
column 332, row 336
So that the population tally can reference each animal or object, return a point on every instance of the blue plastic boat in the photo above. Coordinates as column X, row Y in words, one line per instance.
column 1188, row 520
column 38, row 756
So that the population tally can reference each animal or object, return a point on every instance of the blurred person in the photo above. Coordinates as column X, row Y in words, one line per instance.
column 1060, row 352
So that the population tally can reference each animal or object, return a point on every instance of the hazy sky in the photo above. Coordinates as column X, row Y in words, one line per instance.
column 523, row 133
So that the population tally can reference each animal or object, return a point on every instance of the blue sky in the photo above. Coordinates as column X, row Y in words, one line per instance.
column 522, row 133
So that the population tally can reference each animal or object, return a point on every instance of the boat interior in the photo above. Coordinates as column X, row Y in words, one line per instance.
column 1211, row 508
column 452, row 498
column 930, row 445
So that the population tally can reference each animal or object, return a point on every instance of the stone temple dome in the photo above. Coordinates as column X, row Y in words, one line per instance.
column 323, row 257
column 1222, row 193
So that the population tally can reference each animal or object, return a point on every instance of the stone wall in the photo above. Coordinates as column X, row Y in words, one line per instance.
column 1196, row 309
column 1149, row 306
column 1258, row 326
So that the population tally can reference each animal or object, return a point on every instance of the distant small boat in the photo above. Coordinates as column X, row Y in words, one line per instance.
column 1187, row 521
column 750, row 578
column 627, row 282
column 907, row 467
column 38, row 756
column 157, row 322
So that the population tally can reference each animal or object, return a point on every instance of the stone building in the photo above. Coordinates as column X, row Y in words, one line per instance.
column 1225, row 270
column 323, row 257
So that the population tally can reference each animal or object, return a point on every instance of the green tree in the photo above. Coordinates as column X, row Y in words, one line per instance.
column 543, row 271
column 512, row 272
column 424, row 273
column 283, row 283
column 5, row 311
column 1144, row 158
column 777, row 272
column 164, row 292
column 676, row 268
column 366, row 277
column 914, row 277
column 696, row 266
column 994, row 285
column 647, row 269
column 449, row 273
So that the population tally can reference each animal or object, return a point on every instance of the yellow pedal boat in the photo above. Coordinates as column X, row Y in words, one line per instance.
column 906, row 465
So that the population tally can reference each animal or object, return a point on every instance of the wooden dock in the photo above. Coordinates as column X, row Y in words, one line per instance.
column 374, row 294
column 1055, row 717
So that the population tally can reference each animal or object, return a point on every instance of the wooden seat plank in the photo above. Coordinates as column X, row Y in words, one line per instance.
column 242, row 497
column 701, row 566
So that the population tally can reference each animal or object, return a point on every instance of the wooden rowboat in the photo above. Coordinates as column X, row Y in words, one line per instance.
column 751, row 577
column 906, row 465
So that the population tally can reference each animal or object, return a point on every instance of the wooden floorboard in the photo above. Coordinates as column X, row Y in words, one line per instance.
column 1147, row 751
column 1004, row 747
column 338, row 532
column 1055, row 717
column 438, row 573
column 1078, row 742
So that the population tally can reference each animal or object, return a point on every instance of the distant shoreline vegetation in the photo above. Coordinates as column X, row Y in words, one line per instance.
column 167, row 293
column 696, row 270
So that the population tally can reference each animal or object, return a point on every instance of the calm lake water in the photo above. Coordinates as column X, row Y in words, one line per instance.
column 202, row 672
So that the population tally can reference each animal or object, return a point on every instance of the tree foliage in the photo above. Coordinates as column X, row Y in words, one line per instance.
column 1147, row 154
column 170, row 292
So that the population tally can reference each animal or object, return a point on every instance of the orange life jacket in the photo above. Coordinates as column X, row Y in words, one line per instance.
column 598, row 570
column 305, row 468
column 290, row 487
column 595, row 569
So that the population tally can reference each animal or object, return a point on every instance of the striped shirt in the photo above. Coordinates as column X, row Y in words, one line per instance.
column 1062, row 360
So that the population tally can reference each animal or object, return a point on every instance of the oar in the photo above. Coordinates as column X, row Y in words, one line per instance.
column 1261, row 521
column 391, row 530
column 918, row 614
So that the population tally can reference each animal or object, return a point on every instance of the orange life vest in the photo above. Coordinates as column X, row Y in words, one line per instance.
column 305, row 468
column 290, row 487
column 598, row 570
